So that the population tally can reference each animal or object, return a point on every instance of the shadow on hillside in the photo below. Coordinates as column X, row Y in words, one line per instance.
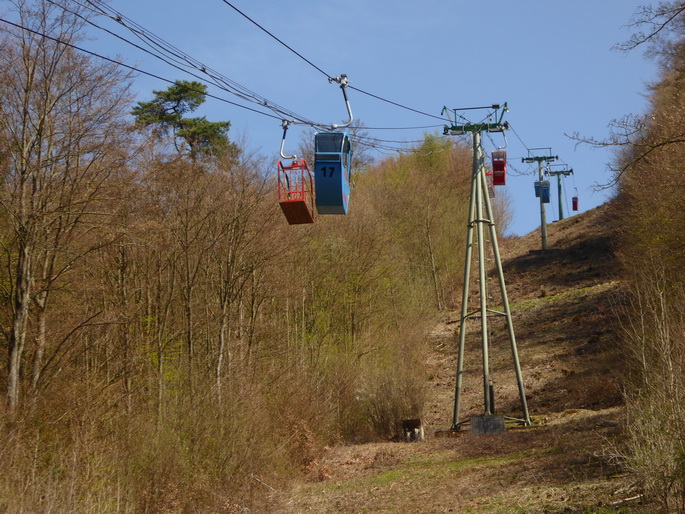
column 580, row 264
column 569, row 349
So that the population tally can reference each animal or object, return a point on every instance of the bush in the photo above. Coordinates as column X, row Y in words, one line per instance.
column 654, row 328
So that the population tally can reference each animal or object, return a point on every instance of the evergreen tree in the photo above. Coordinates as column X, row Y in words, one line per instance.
column 165, row 113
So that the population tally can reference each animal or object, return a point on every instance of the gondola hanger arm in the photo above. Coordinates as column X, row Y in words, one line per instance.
column 342, row 80
column 506, row 143
column 285, row 125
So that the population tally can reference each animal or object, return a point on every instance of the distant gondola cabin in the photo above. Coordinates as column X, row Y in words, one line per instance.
column 499, row 168
column 332, row 161
column 542, row 189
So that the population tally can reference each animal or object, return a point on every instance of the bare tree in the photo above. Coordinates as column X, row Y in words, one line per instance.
column 61, row 120
column 654, row 24
column 635, row 138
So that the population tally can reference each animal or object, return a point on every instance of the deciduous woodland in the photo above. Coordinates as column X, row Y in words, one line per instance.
column 167, row 336
column 170, row 343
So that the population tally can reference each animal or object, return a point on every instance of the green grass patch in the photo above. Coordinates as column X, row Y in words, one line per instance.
column 423, row 469
column 530, row 304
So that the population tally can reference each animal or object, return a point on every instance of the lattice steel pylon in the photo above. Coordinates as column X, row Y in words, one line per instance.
column 480, row 219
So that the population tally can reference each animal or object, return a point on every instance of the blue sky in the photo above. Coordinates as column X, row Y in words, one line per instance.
column 552, row 62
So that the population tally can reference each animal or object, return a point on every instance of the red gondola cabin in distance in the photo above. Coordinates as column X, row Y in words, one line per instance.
column 499, row 168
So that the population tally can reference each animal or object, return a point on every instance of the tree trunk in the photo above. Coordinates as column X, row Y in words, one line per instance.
column 41, row 320
column 17, row 339
column 434, row 272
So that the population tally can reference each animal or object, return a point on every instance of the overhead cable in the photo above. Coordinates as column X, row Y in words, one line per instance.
column 217, row 78
column 128, row 66
column 322, row 71
column 518, row 137
column 235, row 88
column 176, row 58
column 277, row 39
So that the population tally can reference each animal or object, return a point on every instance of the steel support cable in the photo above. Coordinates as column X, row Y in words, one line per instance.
column 403, row 128
column 396, row 104
column 147, row 37
column 180, row 57
column 178, row 66
column 360, row 140
column 365, row 141
column 233, row 87
column 379, row 140
column 128, row 66
column 514, row 172
column 370, row 142
column 518, row 137
column 522, row 173
column 277, row 39
column 219, row 79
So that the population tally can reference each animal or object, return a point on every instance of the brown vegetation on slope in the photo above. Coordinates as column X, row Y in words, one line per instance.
column 170, row 345
column 563, row 312
column 169, row 342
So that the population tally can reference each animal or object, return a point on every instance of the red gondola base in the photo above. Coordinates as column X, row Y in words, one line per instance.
column 295, row 192
column 574, row 203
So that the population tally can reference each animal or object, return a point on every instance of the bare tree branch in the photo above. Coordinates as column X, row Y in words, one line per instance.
column 658, row 20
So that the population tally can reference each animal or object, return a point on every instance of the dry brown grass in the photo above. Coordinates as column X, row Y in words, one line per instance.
column 567, row 462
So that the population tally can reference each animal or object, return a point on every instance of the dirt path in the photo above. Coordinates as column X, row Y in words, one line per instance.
column 566, row 462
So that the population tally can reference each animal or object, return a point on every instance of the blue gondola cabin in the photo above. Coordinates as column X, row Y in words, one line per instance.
column 542, row 189
column 332, row 161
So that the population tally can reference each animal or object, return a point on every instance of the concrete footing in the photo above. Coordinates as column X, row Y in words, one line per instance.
column 488, row 424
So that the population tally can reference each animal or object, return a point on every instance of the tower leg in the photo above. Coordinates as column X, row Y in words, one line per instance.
column 506, row 307
column 482, row 277
column 465, row 299
column 543, row 213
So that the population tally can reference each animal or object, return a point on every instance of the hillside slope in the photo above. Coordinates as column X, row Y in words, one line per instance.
column 562, row 305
